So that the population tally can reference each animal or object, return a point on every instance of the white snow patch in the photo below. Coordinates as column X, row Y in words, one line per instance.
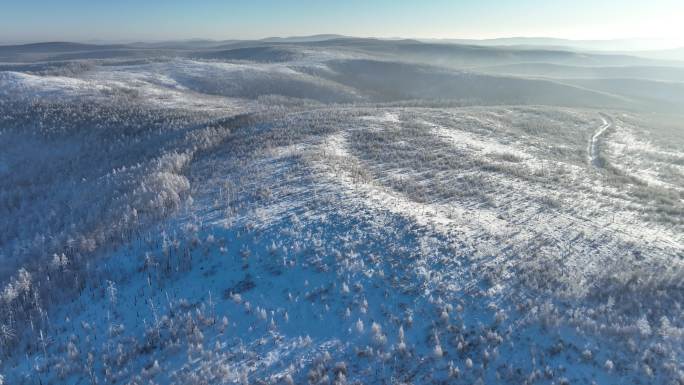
column 638, row 157
column 387, row 117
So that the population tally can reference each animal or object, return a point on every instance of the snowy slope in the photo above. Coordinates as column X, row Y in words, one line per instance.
column 190, row 221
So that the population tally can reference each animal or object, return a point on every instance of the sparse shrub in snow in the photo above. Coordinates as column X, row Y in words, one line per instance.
column 444, row 316
column 340, row 368
column 401, row 348
column 340, row 379
column 548, row 372
column 59, row 261
column 288, row 379
column 454, row 371
column 111, row 292
column 500, row 316
column 469, row 363
column 273, row 249
column 608, row 365
column 437, row 351
column 378, row 337
column 152, row 370
column 648, row 370
column 316, row 375
column 644, row 326
column 261, row 313
column 359, row 325
column 7, row 335
column 72, row 350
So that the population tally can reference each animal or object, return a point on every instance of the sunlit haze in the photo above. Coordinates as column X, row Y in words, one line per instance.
column 129, row 20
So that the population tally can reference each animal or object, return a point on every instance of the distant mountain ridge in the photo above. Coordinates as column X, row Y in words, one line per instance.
column 57, row 46
column 614, row 45
column 302, row 39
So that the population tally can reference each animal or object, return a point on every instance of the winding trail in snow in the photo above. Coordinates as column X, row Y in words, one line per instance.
column 593, row 149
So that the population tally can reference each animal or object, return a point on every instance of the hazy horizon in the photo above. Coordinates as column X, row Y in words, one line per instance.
column 127, row 21
column 659, row 41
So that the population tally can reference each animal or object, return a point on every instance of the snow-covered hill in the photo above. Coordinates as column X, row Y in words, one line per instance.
column 334, row 217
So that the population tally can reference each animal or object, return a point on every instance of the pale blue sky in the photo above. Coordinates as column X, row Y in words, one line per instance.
column 125, row 20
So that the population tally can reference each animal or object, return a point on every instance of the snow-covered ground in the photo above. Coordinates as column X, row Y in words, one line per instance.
column 194, row 221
